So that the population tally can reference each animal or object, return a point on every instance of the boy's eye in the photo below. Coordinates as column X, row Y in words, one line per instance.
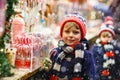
column 103, row 36
column 106, row 36
column 109, row 36
column 76, row 32
column 67, row 31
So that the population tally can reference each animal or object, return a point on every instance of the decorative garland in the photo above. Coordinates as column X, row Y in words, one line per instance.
column 5, row 66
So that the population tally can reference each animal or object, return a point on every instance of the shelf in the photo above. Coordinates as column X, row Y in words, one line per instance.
column 21, row 74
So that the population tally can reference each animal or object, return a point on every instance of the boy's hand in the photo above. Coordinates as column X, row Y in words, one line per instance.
column 47, row 64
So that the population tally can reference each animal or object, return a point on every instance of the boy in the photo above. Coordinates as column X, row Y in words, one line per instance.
column 106, row 55
column 71, row 60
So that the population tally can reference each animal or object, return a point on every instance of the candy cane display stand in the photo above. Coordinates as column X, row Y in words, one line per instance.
column 24, row 55
column 28, row 55
column 31, row 47
column 23, row 43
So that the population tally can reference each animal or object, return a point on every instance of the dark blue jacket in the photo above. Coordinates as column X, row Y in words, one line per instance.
column 98, row 53
column 88, row 67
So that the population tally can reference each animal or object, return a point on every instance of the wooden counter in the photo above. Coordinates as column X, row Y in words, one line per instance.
column 21, row 74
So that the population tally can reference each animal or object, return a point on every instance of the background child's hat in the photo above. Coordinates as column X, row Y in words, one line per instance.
column 109, row 20
column 77, row 19
column 106, row 27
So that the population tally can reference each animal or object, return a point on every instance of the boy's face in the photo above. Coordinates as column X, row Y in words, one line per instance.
column 71, row 34
column 106, row 36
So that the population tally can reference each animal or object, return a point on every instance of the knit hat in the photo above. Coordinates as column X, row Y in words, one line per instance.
column 106, row 27
column 77, row 19
column 109, row 20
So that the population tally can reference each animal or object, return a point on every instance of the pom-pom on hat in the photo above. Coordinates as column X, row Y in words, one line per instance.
column 107, row 27
column 109, row 20
column 77, row 19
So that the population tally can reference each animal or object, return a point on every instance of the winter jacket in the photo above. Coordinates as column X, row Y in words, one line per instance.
column 100, row 58
column 67, row 64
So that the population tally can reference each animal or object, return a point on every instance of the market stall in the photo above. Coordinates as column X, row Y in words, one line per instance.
column 34, row 32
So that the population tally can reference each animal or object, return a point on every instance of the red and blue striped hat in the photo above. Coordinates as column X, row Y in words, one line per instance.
column 81, row 21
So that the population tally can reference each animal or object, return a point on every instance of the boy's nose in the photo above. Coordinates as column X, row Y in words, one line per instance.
column 70, row 34
column 106, row 39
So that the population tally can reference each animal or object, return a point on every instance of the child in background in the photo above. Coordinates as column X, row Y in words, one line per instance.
column 71, row 60
column 106, row 55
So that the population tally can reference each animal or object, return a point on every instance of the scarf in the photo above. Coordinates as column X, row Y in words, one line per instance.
column 108, row 57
